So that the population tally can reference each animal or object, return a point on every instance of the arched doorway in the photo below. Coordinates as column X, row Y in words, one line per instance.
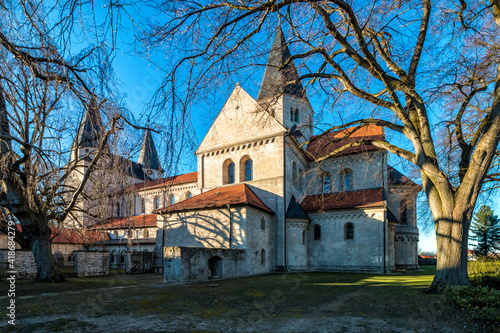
column 215, row 268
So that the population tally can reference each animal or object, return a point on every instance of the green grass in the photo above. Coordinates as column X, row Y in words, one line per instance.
column 396, row 298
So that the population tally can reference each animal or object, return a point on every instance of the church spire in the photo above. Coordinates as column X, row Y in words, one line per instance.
column 275, row 80
column 148, row 157
column 91, row 127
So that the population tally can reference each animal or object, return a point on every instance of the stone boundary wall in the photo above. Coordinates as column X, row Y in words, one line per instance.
column 24, row 264
column 93, row 263
column 191, row 264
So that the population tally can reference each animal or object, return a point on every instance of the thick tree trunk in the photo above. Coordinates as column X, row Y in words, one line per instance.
column 38, row 233
column 46, row 268
column 452, row 245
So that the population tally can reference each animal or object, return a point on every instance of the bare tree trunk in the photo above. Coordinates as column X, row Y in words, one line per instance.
column 46, row 268
column 452, row 245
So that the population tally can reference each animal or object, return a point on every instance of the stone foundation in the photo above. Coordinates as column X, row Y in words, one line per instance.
column 91, row 263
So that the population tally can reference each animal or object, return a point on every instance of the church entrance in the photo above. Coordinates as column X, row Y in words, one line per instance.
column 215, row 268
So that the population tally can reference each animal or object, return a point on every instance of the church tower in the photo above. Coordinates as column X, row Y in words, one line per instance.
column 148, row 157
column 281, row 92
column 89, row 133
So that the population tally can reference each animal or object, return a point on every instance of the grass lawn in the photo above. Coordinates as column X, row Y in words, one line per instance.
column 322, row 302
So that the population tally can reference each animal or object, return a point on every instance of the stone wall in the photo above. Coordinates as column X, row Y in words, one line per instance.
column 189, row 264
column 365, row 252
column 24, row 264
column 91, row 263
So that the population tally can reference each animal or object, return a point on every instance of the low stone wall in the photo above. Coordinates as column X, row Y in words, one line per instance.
column 24, row 264
column 192, row 264
column 91, row 263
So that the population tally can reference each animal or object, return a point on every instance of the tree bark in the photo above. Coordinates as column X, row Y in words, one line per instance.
column 41, row 246
column 452, row 244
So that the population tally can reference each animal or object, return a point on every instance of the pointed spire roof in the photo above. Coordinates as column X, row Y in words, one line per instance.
column 295, row 211
column 148, row 157
column 91, row 127
column 275, row 80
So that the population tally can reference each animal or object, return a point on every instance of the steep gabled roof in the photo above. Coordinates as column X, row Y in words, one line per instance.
column 325, row 144
column 397, row 178
column 344, row 200
column 220, row 197
column 138, row 221
column 91, row 127
column 295, row 211
column 148, row 156
column 275, row 80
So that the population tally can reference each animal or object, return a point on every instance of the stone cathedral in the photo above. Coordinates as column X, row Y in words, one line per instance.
column 261, row 200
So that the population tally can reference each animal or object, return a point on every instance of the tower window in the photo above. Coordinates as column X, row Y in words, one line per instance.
column 157, row 202
column 294, row 114
column 263, row 223
column 403, row 212
column 117, row 209
column 143, row 206
column 294, row 174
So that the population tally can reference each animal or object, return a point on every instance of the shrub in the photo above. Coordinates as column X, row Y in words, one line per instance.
column 481, row 303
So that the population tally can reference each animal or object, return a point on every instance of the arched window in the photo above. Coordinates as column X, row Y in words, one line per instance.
column 143, row 206
column 295, row 177
column 112, row 256
column 157, row 202
column 301, row 180
column 262, row 223
column 172, row 199
column 122, row 257
column 327, row 183
column 317, row 232
column 403, row 212
column 303, row 237
column 117, row 209
column 145, row 233
column 346, row 180
column 349, row 231
column 294, row 114
column 71, row 256
column 248, row 170
column 190, row 195
column 263, row 257
column 228, row 172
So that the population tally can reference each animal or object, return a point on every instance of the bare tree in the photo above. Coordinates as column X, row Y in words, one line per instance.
column 429, row 71
column 44, row 87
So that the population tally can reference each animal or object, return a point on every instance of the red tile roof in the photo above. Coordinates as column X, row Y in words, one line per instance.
column 218, row 197
column 328, row 143
column 168, row 181
column 343, row 200
column 138, row 221
column 74, row 236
